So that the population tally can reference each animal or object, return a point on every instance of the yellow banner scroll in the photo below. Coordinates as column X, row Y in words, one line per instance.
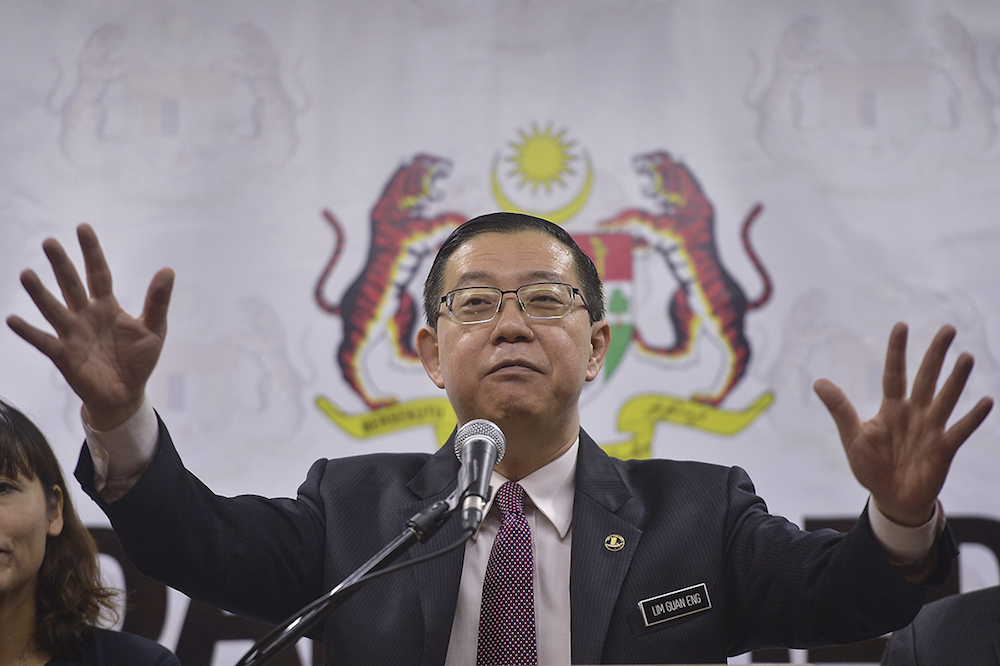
column 640, row 414
column 435, row 412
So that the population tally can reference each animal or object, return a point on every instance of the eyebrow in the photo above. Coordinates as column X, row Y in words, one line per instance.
column 477, row 278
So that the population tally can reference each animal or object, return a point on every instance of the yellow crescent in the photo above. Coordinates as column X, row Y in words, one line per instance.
column 558, row 215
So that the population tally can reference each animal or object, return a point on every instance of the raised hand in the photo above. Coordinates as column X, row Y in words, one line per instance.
column 902, row 455
column 105, row 354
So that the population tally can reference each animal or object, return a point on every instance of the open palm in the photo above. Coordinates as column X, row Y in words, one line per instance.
column 902, row 455
column 105, row 354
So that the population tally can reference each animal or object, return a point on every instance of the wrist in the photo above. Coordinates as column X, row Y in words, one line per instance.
column 906, row 518
column 108, row 419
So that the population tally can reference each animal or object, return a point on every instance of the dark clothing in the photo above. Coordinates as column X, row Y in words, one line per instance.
column 114, row 648
column 684, row 524
column 960, row 629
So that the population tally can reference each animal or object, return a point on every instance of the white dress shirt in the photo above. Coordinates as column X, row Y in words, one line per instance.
column 549, row 510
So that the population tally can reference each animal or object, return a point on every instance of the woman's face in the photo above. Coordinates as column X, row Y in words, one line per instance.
column 27, row 518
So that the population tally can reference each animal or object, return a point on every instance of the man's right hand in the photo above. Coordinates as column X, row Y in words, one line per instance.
column 105, row 354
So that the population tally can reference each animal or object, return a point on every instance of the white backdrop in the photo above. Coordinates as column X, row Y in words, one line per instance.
column 210, row 137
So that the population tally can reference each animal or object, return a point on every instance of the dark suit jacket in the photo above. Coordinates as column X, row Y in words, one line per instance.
column 960, row 629
column 683, row 524
column 115, row 648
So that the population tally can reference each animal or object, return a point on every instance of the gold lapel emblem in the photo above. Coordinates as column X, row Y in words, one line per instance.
column 614, row 542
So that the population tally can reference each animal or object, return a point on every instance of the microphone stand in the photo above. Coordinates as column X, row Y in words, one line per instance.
column 420, row 527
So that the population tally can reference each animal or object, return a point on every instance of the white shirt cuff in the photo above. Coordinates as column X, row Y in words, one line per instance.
column 122, row 454
column 905, row 545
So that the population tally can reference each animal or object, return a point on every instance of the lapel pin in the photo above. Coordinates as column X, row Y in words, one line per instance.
column 614, row 542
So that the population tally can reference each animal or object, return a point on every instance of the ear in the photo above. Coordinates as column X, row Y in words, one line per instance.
column 427, row 350
column 600, row 338
column 56, row 512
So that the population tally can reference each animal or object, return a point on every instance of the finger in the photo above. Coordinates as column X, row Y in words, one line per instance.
column 947, row 398
column 840, row 408
column 154, row 311
column 965, row 426
column 98, row 273
column 40, row 340
column 894, row 375
column 66, row 275
column 930, row 367
column 48, row 305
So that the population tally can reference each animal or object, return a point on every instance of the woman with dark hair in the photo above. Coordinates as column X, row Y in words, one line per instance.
column 51, row 595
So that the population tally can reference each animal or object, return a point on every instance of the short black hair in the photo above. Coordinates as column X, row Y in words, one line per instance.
column 508, row 223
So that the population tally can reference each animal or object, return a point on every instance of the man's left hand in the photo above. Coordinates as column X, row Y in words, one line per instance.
column 902, row 455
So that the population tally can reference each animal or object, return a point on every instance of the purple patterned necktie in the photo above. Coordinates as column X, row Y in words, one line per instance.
column 507, row 618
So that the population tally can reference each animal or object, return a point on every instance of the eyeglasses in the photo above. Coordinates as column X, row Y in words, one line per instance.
column 541, row 300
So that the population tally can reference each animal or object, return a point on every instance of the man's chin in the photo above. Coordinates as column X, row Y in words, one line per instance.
column 509, row 409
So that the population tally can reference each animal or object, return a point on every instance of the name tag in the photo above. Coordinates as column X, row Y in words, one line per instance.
column 673, row 605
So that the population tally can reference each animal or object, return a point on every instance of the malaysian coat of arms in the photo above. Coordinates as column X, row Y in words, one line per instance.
column 673, row 229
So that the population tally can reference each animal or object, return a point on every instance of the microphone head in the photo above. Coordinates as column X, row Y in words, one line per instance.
column 480, row 428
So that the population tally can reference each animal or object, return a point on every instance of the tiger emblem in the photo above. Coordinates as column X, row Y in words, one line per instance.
column 707, row 297
column 379, row 301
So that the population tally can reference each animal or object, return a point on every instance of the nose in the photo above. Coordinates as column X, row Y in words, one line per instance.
column 511, row 323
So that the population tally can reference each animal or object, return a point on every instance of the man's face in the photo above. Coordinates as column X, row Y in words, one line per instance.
column 513, row 369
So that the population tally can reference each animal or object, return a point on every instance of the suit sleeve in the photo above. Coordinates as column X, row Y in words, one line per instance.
column 799, row 589
column 176, row 530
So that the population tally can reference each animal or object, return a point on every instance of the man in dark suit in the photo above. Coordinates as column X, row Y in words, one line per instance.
column 960, row 629
column 667, row 561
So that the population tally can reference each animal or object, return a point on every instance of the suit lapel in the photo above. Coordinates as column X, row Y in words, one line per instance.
column 597, row 570
column 437, row 580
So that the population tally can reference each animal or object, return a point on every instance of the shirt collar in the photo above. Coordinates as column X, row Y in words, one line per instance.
column 550, row 488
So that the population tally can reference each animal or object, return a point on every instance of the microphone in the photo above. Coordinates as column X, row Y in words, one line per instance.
column 479, row 445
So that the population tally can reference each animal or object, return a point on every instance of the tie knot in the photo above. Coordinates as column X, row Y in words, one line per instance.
column 510, row 498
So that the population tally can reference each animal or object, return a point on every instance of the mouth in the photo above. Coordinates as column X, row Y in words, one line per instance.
column 512, row 367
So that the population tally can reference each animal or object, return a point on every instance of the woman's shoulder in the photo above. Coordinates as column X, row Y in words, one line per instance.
column 105, row 647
